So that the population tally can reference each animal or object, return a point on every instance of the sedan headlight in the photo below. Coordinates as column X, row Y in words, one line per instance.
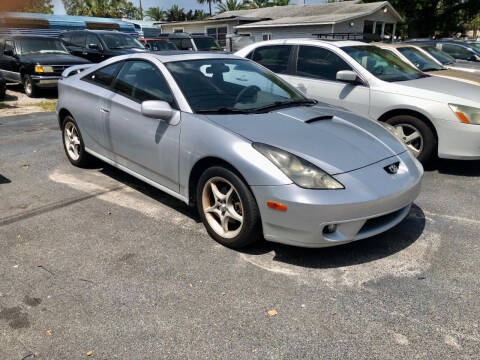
column 43, row 69
column 300, row 171
column 466, row 114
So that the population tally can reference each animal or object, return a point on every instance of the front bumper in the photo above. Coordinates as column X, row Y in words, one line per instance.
column 46, row 81
column 372, row 202
column 457, row 140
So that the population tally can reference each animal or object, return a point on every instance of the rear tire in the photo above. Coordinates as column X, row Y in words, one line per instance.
column 31, row 90
column 227, row 208
column 416, row 135
column 73, row 143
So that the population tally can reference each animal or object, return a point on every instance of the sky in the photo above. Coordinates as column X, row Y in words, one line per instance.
column 165, row 4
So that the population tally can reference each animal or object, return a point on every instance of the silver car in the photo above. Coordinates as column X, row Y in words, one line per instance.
column 432, row 115
column 254, row 155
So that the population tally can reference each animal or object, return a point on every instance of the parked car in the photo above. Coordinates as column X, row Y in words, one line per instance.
column 248, row 149
column 193, row 42
column 448, row 61
column 459, row 50
column 34, row 61
column 432, row 115
column 419, row 59
column 158, row 44
column 3, row 87
column 99, row 45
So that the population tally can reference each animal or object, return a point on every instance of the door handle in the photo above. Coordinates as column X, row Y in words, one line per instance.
column 104, row 110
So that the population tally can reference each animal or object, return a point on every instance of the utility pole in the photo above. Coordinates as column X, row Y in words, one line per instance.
column 141, row 9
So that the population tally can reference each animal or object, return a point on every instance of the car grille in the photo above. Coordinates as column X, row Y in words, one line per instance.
column 58, row 69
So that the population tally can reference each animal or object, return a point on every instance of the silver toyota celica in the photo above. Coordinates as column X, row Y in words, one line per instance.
column 255, row 155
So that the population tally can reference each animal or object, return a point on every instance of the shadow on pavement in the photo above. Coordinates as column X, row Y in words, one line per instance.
column 358, row 252
column 455, row 167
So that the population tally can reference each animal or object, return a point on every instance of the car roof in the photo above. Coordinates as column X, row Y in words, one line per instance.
column 180, row 55
column 20, row 37
column 96, row 31
column 396, row 45
column 336, row 43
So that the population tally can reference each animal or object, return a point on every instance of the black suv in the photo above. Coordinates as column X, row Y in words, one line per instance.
column 99, row 45
column 34, row 61
column 195, row 42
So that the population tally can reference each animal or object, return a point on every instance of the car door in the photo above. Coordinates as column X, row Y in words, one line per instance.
column 95, row 108
column 9, row 62
column 94, row 48
column 77, row 45
column 147, row 146
column 315, row 75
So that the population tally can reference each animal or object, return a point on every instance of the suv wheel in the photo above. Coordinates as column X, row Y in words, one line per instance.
column 416, row 135
column 227, row 208
column 29, row 86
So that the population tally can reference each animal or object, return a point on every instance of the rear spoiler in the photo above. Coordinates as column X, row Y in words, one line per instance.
column 76, row 69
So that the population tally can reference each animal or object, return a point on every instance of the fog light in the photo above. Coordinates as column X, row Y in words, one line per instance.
column 330, row 228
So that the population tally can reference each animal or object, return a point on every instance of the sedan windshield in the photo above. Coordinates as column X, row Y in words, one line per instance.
column 383, row 64
column 159, row 45
column 440, row 55
column 231, row 86
column 121, row 41
column 206, row 43
column 419, row 59
column 42, row 46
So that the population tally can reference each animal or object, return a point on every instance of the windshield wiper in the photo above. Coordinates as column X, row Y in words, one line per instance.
column 278, row 104
column 224, row 110
column 432, row 69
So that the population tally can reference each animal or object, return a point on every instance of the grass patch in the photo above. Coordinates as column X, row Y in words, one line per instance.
column 45, row 105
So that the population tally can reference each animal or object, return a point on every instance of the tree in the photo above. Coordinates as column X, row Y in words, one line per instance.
column 209, row 4
column 102, row 8
column 176, row 13
column 156, row 14
column 230, row 5
column 36, row 6
column 255, row 4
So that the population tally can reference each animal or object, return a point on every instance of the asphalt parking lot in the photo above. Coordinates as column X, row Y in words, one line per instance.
column 94, row 261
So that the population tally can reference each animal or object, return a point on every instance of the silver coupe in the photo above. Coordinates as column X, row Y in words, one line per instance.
column 253, row 154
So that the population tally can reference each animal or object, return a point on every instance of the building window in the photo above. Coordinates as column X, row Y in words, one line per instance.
column 266, row 36
column 219, row 34
column 178, row 30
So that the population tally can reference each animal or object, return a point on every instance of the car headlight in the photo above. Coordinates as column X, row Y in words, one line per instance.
column 466, row 114
column 300, row 171
column 43, row 69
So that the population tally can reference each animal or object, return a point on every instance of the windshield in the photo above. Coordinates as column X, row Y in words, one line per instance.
column 419, row 59
column 475, row 45
column 383, row 64
column 42, row 46
column 206, row 43
column 121, row 41
column 159, row 45
column 234, row 85
column 440, row 55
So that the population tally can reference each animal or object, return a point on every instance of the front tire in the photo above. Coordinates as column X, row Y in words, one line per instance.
column 29, row 86
column 73, row 143
column 227, row 208
column 416, row 135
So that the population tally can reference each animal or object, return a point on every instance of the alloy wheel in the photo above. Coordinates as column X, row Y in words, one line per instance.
column 222, row 207
column 72, row 141
column 411, row 137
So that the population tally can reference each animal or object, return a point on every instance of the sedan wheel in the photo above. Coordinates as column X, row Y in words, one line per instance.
column 227, row 208
column 73, row 143
column 411, row 137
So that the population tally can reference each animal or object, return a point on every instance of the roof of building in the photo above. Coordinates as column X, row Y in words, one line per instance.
column 318, row 14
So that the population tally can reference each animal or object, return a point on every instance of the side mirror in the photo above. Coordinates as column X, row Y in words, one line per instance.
column 93, row 46
column 348, row 76
column 157, row 110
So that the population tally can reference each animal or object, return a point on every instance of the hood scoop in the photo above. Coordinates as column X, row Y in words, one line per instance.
column 319, row 118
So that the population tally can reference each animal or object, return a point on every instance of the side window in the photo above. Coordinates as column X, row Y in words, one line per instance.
column 186, row 44
column 319, row 63
column 142, row 81
column 66, row 38
column 93, row 39
column 9, row 46
column 456, row 51
column 78, row 39
column 273, row 57
column 104, row 76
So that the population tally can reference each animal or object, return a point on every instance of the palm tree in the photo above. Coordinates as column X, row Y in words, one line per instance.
column 176, row 13
column 156, row 14
column 209, row 4
column 230, row 5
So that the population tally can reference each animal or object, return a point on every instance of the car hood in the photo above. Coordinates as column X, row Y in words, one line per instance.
column 465, row 66
column 439, row 89
column 472, row 78
column 337, row 141
column 53, row 59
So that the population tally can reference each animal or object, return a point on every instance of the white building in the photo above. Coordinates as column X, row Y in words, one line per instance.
column 346, row 19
